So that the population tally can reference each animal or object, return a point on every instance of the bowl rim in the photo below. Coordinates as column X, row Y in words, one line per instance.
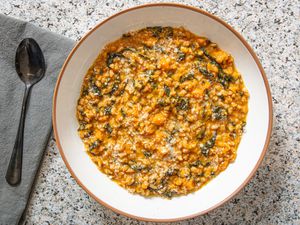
column 267, row 87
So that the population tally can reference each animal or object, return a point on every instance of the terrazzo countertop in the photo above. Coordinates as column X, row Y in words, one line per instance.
column 273, row 195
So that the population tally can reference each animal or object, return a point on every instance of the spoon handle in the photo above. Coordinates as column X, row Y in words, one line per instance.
column 14, row 170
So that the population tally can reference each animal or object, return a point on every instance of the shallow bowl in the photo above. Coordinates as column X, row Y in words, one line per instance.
column 251, row 149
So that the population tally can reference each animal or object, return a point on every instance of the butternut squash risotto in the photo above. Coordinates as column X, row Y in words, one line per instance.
column 162, row 111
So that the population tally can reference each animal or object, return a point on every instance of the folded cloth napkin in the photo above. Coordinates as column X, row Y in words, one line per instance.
column 13, row 200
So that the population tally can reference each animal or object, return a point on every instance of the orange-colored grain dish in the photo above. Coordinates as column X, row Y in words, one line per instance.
column 162, row 111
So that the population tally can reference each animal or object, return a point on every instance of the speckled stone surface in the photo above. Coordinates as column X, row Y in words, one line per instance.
column 273, row 195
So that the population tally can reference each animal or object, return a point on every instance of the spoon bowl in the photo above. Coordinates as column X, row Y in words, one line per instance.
column 30, row 62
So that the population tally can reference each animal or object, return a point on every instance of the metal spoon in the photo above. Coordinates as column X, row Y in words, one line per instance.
column 30, row 66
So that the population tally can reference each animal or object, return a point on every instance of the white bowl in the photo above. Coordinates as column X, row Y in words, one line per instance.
column 251, row 149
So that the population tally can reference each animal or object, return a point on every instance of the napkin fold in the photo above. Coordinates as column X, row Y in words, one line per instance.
column 13, row 200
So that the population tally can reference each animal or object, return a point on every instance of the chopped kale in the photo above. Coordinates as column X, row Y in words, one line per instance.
column 153, row 83
column 171, row 171
column 128, row 49
column 205, row 149
column 169, row 138
column 149, row 72
column 96, row 90
column 210, row 57
column 199, row 57
column 88, row 134
column 105, row 84
column 156, row 31
column 158, row 48
column 108, row 128
column 167, row 90
column 219, row 113
column 94, row 145
column 206, row 94
column 144, row 57
column 170, row 73
column 107, row 110
column 161, row 102
column 111, row 56
column 82, row 125
column 243, row 127
column 127, row 35
column 196, row 163
column 137, row 167
column 205, row 73
column 114, row 89
column 169, row 194
column 181, row 57
column 84, row 92
column 169, row 31
column 123, row 113
column 147, row 154
column 206, row 164
column 189, row 76
column 146, row 47
column 95, row 71
column 174, row 131
column 224, row 79
column 182, row 104
column 201, row 133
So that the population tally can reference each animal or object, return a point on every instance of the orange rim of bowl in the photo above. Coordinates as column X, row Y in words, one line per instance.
column 267, row 141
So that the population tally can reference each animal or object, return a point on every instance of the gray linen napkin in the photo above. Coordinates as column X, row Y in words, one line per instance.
column 38, row 126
